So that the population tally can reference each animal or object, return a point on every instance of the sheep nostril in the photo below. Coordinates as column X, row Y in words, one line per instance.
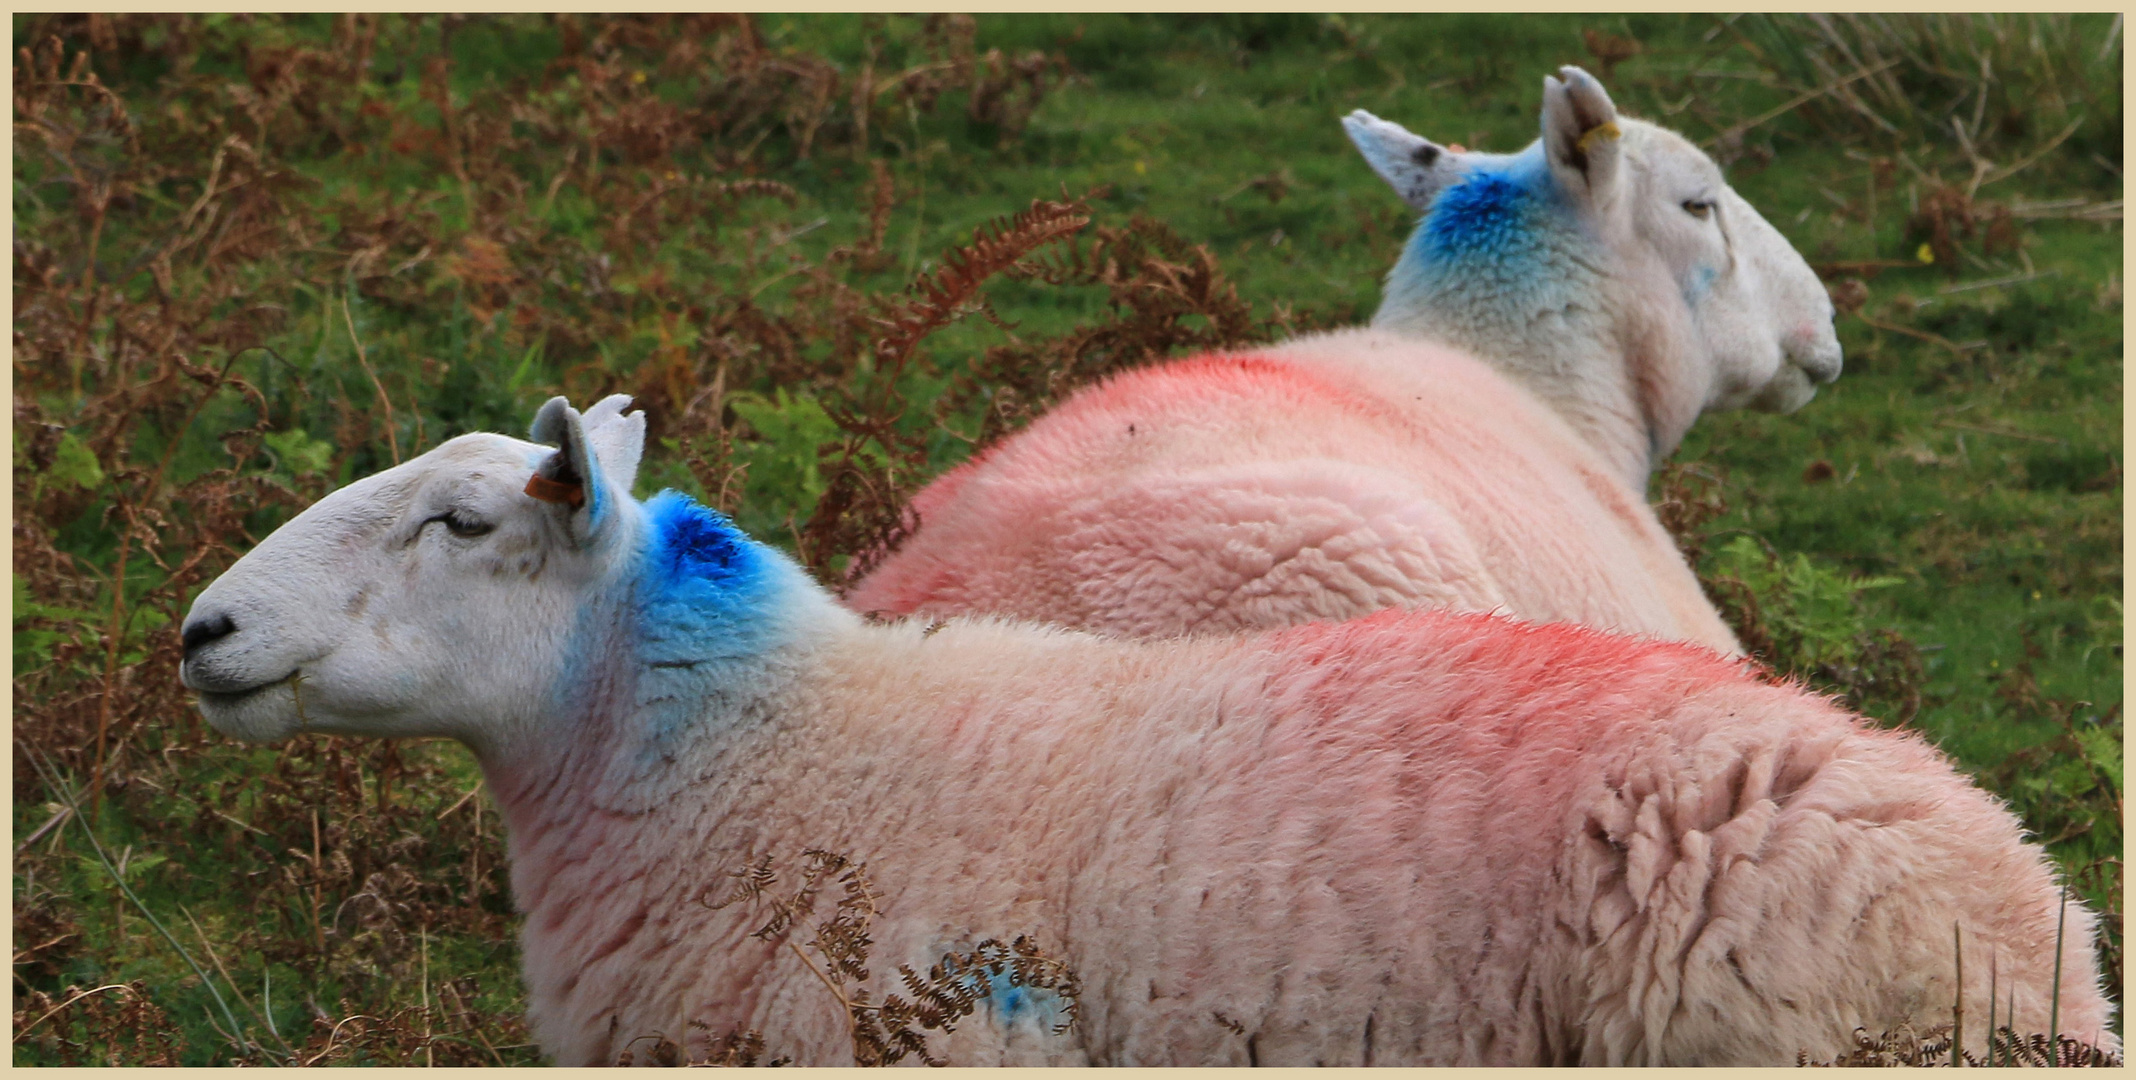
column 203, row 631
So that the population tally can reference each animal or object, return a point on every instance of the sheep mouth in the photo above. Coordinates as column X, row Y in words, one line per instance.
column 230, row 698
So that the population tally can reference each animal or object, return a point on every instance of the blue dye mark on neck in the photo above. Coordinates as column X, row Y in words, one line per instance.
column 1486, row 212
column 1499, row 248
column 694, row 545
column 1500, row 212
column 707, row 592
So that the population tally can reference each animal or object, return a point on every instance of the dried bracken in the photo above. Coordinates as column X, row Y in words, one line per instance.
column 165, row 420
column 1932, row 1048
column 256, row 256
column 877, row 465
column 109, row 1025
column 1165, row 296
column 887, row 1031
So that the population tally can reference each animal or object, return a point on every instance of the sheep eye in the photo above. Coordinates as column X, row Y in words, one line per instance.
column 1698, row 208
column 463, row 527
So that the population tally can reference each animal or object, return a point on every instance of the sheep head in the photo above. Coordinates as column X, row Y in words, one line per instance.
column 435, row 598
column 1609, row 265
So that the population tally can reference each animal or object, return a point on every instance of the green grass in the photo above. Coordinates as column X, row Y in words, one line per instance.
column 1984, row 476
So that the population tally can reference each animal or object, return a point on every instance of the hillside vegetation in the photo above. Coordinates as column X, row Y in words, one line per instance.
column 257, row 257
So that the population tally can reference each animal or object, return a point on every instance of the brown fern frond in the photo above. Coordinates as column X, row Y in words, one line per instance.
column 1904, row 1046
column 1165, row 295
column 736, row 190
column 868, row 255
column 894, row 1028
column 947, row 294
column 749, row 884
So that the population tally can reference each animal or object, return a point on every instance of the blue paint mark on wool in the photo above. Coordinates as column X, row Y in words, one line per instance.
column 1013, row 1002
column 1501, row 247
column 1016, row 1004
column 707, row 591
column 693, row 544
column 1486, row 213
column 1504, row 219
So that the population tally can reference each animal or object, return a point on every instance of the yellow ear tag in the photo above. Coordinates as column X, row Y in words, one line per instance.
column 1925, row 254
column 1604, row 130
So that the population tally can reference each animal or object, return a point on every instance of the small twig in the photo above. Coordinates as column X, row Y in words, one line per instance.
column 2012, row 279
column 2054, row 1005
column 58, row 816
column 54, row 1010
column 392, row 440
column 1799, row 100
column 472, row 1028
column 42, row 946
column 845, row 1003
column 2076, row 209
column 563, row 173
column 447, row 812
column 331, row 1036
column 1934, row 339
column 2012, row 170
column 197, row 805
column 429, row 1054
column 411, row 263
column 1958, row 1007
column 217, row 961
column 2005, row 434
column 318, row 933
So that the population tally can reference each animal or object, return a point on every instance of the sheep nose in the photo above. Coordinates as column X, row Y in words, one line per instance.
column 1816, row 351
column 201, row 632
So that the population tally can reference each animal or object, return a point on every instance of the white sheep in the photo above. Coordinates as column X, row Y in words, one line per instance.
column 1552, row 329
column 1417, row 838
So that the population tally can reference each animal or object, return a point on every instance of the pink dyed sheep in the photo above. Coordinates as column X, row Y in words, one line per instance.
column 1419, row 838
column 1557, row 322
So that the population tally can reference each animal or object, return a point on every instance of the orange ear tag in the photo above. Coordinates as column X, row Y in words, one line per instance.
column 1604, row 131
column 556, row 491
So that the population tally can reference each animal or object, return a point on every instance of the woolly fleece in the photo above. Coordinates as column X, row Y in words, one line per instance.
column 1324, row 478
column 1416, row 838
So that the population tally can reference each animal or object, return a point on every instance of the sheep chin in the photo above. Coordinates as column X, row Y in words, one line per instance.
column 267, row 713
column 1791, row 388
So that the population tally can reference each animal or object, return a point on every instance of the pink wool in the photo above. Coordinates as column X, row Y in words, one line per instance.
column 1417, row 839
column 1324, row 478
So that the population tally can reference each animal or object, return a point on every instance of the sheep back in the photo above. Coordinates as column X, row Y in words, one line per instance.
column 1324, row 478
column 1416, row 838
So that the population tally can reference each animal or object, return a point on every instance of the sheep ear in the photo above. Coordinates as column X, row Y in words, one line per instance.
column 1417, row 167
column 573, row 477
column 1580, row 134
column 617, row 437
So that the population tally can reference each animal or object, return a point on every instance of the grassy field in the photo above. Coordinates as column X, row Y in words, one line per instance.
column 258, row 257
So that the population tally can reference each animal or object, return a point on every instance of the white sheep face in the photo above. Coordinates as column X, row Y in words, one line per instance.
column 436, row 598
column 1610, row 255
column 1762, row 317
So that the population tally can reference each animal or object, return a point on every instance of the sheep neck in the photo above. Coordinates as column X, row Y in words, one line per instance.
column 674, row 659
column 1505, row 269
